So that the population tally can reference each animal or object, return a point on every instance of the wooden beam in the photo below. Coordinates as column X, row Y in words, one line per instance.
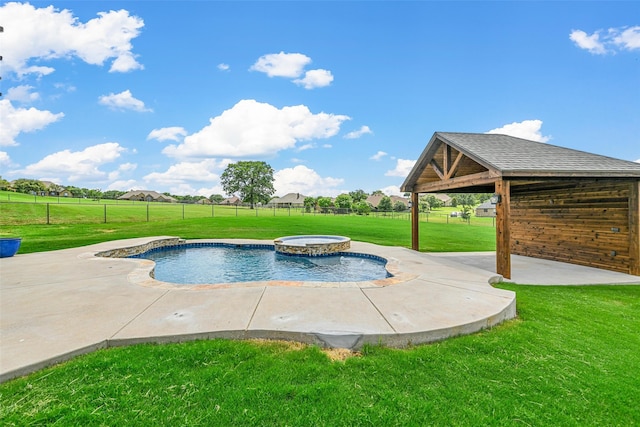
column 454, row 167
column 634, row 229
column 446, row 160
column 503, row 233
column 481, row 178
column 436, row 168
column 415, row 221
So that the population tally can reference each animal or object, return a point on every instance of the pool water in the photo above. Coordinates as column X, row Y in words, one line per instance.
column 232, row 263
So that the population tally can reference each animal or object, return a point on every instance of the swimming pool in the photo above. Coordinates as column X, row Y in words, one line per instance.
column 209, row 263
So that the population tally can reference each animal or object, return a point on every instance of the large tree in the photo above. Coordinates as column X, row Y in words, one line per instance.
column 252, row 181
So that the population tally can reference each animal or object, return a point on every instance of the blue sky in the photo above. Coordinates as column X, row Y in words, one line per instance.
column 335, row 96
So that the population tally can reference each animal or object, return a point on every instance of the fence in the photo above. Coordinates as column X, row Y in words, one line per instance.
column 25, row 213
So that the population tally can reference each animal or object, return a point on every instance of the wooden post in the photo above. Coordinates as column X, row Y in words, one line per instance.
column 634, row 229
column 415, row 219
column 503, row 235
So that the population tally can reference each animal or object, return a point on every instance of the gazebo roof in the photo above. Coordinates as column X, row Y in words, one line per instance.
column 450, row 156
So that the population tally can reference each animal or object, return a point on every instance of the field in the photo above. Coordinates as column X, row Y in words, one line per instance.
column 571, row 357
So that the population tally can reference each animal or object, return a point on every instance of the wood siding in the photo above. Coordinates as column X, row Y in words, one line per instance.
column 581, row 222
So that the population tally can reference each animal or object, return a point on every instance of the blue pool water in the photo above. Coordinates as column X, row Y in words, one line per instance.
column 224, row 263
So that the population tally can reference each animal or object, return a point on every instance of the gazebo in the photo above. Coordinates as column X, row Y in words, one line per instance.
column 551, row 202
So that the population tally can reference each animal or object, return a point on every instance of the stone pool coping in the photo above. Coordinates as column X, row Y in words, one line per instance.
column 59, row 304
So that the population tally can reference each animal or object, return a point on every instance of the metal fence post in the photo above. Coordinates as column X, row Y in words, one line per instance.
column 47, row 213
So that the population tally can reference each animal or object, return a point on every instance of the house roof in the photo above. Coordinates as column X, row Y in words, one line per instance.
column 508, row 156
column 486, row 205
column 374, row 200
column 289, row 198
column 153, row 194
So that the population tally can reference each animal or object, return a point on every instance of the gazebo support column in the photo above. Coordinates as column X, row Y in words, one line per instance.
column 415, row 221
column 503, row 235
column 634, row 229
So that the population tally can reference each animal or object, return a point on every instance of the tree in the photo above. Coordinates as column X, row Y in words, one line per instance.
column 423, row 204
column 399, row 206
column 343, row 201
column 358, row 196
column 4, row 184
column 111, row 194
column 94, row 194
column 467, row 201
column 324, row 203
column 309, row 204
column 362, row 208
column 434, row 202
column 378, row 192
column 251, row 180
column 28, row 186
column 216, row 198
column 385, row 204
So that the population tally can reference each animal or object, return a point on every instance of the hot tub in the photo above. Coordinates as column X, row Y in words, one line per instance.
column 311, row 245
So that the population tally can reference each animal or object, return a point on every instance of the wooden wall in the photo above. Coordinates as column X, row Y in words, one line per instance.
column 587, row 223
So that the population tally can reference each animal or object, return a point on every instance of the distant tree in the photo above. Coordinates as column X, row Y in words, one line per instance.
column 94, row 194
column 251, row 180
column 467, row 201
column 111, row 194
column 358, row 196
column 28, row 186
column 423, row 204
column 343, row 201
column 378, row 193
column 483, row 197
column 362, row 208
column 399, row 206
column 434, row 202
column 216, row 198
column 324, row 203
column 309, row 204
column 4, row 184
column 385, row 204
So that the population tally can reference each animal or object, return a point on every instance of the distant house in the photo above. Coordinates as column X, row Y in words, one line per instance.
column 204, row 201
column 290, row 200
column 231, row 201
column 374, row 200
column 487, row 209
column 147, row 196
column 446, row 200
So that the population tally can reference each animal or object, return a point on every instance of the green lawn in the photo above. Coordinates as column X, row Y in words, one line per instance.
column 571, row 357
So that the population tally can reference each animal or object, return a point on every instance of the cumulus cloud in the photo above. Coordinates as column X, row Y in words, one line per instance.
column 123, row 168
column 392, row 190
column 4, row 158
column 378, row 156
column 527, row 129
column 315, row 78
column 122, row 101
column 22, row 93
column 14, row 121
column 74, row 166
column 403, row 167
column 252, row 128
column 39, row 34
column 223, row 67
column 364, row 130
column 187, row 172
column 281, row 64
column 173, row 133
column 301, row 179
column 125, row 185
column 610, row 41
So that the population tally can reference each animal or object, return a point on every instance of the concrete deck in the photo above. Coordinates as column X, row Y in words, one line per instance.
column 56, row 305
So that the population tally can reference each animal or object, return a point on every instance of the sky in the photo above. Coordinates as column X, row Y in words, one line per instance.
column 334, row 95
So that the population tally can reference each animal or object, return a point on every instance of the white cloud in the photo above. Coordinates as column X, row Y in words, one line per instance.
column 123, row 168
column 403, row 167
column 42, row 34
column 74, row 166
column 281, row 64
column 611, row 41
column 4, row 158
column 22, row 94
column 252, row 128
column 392, row 190
column 173, row 133
column 315, row 78
column 527, row 129
column 301, row 179
column 123, row 185
column 187, row 172
column 14, row 121
column 364, row 130
column 378, row 156
column 223, row 67
column 122, row 101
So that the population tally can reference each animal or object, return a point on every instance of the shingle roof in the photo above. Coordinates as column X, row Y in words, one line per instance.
column 514, row 156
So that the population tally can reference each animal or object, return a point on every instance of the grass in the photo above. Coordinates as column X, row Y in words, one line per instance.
column 570, row 358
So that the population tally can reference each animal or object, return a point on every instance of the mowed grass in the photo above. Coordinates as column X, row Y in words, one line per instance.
column 571, row 357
